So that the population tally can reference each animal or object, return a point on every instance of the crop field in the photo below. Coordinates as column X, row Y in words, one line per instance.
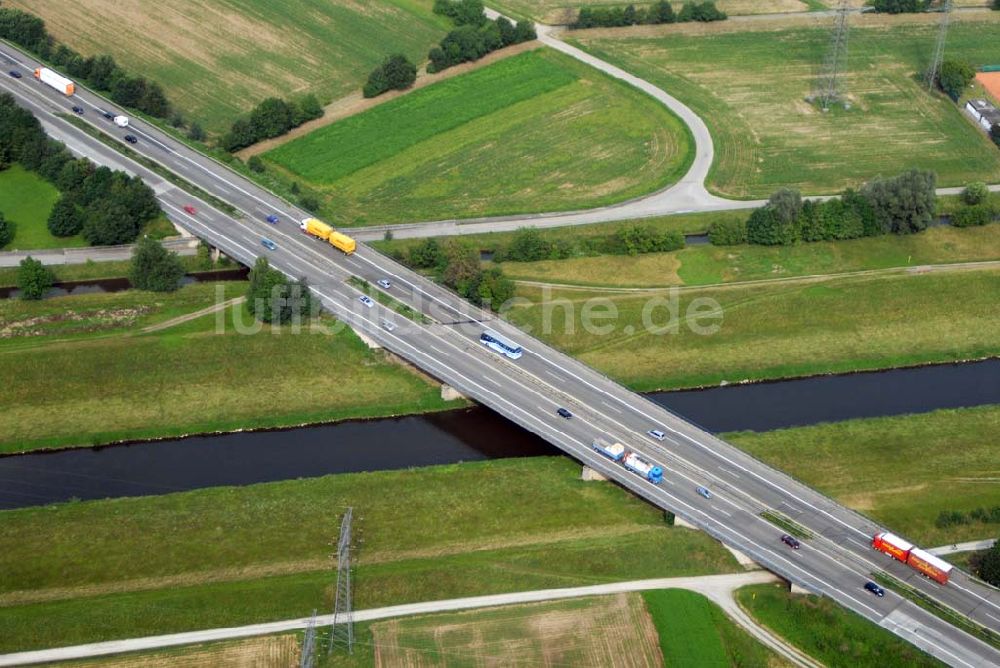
column 26, row 200
column 261, row 652
column 849, row 461
column 694, row 631
column 218, row 58
column 116, row 382
column 774, row 330
column 827, row 632
column 599, row 631
column 748, row 81
column 236, row 555
column 534, row 132
column 564, row 11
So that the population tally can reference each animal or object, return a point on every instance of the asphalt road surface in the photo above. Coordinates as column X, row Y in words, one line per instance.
column 835, row 562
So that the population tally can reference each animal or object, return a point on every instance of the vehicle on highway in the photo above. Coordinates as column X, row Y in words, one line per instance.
column 78, row 110
column 120, row 121
column 919, row 560
column 384, row 283
column 703, row 491
column 643, row 467
column 388, row 325
column 55, row 80
column 501, row 344
column 790, row 541
column 131, row 139
column 875, row 589
column 273, row 219
column 613, row 451
column 564, row 413
column 108, row 115
column 190, row 209
column 657, row 434
column 15, row 74
column 321, row 230
column 366, row 300
column 268, row 244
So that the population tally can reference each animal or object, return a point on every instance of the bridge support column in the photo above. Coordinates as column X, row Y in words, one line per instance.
column 216, row 254
column 449, row 393
column 681, row 522
column 368, row 341
column 796, row 589
column 743, row 560
column 590, row 474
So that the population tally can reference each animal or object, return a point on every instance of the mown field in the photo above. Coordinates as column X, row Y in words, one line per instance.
column 774, row 330
column 707, row 265
column 827, row 632
column 599, row 631
column 534, row 132
column 26, row 200
column 279, row 651
column 218, row 58
column 117, row 382
column 693, row 631
column 226, row 556
column 748, row 81
column 901, row 471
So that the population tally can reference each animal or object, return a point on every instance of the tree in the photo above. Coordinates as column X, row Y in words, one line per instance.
column 196, row 132
column 528, row 245
column 396, row 72
column 524, row 32
column 33, row 278
column 6, row 231
column 765, row 228
column 975, row 193
column 272, row 298
column 995, row 133
column 728, row 232
column 507, row 31
column 903, row 204
column 66, row 219
column 662, row 12
column 493, row 289
column 955, row 76
column 154, row 268
column 109, row 225
column 989, row 565
column 462, row 268
column 786, row 204
column 308, row 108
column 426, row 254
column 995, row 5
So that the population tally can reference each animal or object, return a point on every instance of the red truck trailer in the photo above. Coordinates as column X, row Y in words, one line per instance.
column 917, row 559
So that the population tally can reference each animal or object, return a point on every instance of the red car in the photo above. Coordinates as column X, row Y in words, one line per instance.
column 190, row 209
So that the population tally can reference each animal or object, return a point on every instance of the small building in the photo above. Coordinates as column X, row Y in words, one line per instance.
column 984, row 113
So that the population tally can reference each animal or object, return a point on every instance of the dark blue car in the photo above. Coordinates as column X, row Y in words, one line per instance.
column 273, row 219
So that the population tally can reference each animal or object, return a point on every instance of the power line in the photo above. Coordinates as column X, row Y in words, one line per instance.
column 935, row 69
column 830, row 83
column 308, row 659
column 342, row 629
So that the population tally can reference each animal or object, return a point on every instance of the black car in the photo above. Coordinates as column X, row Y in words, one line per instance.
column 78, row 110
column 15, row 74
column 131, row 139
column 875, row 589
column 108, row 115
column 790, row 541
column 564, row 413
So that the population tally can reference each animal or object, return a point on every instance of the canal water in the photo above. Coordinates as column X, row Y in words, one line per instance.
column 472, row 434
column 121, row 284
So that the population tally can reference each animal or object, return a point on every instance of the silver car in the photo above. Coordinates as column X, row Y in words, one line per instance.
column 366, row 300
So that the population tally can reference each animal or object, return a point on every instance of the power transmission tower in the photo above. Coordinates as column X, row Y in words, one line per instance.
column 342, row 629
column 309, row 645
column 836, row 60
column 935, row 69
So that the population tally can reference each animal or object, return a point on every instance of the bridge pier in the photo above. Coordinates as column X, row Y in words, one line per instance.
column 590, row 474
column 795, row 589
column 449, row 393
column 216, row 254
column 742, row 559
column 368, row 341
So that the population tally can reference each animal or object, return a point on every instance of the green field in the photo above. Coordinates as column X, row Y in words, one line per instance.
column 26, row 200
column 564, row 11
column 827, row 632
column 775, row 330
column 707, row 265
column 116, row 382
column 850, row 460
column 694, row 631
column 218, row 58
column 224, row 556
column 748, row 82
column 534, row 132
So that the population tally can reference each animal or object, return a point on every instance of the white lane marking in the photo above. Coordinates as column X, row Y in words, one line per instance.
column 732, row 473
column 611, row 407
column 723, row 512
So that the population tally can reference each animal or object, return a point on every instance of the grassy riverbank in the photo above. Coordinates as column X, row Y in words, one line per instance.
column 225, row 556
column 776, row 330
column 827, row 632
column 901, row 471
column 116, row 381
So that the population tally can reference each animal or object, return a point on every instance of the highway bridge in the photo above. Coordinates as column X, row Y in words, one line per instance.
column 835, row 562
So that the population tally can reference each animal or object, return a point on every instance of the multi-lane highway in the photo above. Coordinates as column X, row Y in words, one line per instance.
column 836, row 562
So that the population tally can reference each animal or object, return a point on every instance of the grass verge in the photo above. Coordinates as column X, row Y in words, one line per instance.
column 784, row 522
column 388, row 300
column 830, row 634
column 26, row 200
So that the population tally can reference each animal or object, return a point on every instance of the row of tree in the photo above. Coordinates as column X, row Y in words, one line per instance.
column 273, row 298
column 475, row 34
column 977, row 209
column 107, row 207
column 98, row 72
column 901, row 6
column 902, row 204
column 395, row 73
column 271, row 118
column 660, row 12
column 6, row 231
column 457, row 265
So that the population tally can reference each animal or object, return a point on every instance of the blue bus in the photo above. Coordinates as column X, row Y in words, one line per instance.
column 501, row 344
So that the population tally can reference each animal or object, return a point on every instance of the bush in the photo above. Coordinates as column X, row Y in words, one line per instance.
column 6, row 231
column 975, row 193
column 705, row 11
column 528, row 246
column 33, row 279
column 154, row 268
column 66, row 218
column 765, row 228
column 973, row 216
column 732, row 232
column 310, row 203
column 255, row 164
column 903, row 204
column 395, row 73
column 900, row 6
column 954, row 77
column 640, row 239
column 196, row 132
column 426, row 255
column 989, row 564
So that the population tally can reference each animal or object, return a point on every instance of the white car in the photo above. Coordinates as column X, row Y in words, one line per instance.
column 657, row 434
column 388, row 325
column 366, row 300
column 384, row 283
